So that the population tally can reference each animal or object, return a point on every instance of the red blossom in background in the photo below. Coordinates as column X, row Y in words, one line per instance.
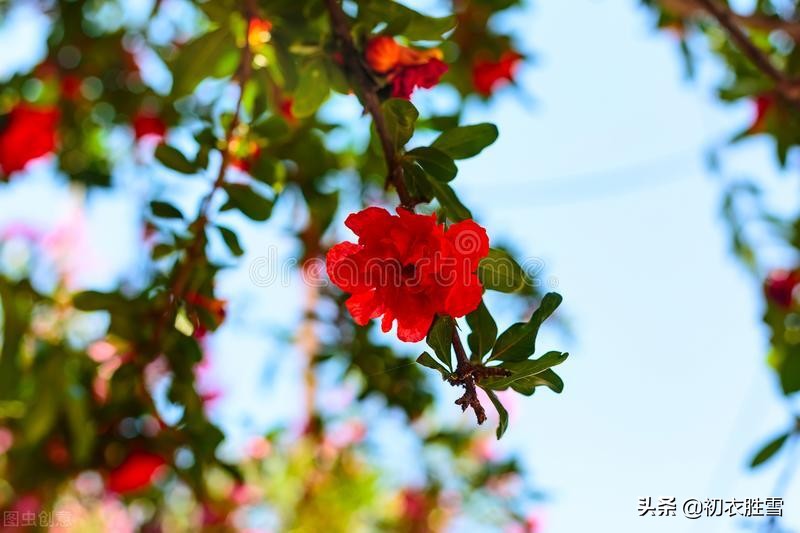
column 422, row 76
column 780, row 286
column 408, row 268
column 71, row 87
column 148, row 124
column 243, row 153
column 405, row 68
column 30, row 133
column 258, row 33
column 489, row 75
column 763, row 103
column 138, row 471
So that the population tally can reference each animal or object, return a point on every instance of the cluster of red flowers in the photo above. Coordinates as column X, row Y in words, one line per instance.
column 408, row 268
column 29, row 133
column 780, row 287
column 489, row 75
column 405, row 68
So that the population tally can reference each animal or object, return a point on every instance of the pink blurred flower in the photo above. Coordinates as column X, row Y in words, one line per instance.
column 6, row 440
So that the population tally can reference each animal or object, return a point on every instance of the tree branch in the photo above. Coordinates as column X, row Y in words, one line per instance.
column 730, row 21
column 755, row 21
column 368, row 94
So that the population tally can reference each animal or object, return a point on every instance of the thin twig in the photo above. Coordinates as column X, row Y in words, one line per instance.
column 195, row 250
column 465, row 377
column 368, row 94
column 787, row 87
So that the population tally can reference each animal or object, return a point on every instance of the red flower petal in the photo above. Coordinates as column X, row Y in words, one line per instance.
column 364, row 306
column 369, row 223
column 464, row 297
column 342, row 268
column 422, row 76
column 469, row 241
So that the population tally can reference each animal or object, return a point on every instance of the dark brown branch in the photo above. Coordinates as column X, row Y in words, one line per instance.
column 367, row 91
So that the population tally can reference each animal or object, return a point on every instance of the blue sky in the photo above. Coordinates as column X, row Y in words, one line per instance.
column 603, row 178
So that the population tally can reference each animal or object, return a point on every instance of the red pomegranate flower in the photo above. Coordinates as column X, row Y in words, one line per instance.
column 407, row 267
column 136, row 472
column 30, row 133
column 405, row 68
column 780, row 286
column 145, row 124
column 488, row 75
column 423, row 76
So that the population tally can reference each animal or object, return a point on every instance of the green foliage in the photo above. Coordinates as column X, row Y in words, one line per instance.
column 464, row 142
column 769, row 450
column 518, row 342
column 250, row 102
column 400, row 116
column 173, row 159
column 248, row 201
column 499, row 271
column 440, row 338
column 483, row 332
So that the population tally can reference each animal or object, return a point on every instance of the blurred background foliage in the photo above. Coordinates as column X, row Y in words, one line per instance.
column 218, row 110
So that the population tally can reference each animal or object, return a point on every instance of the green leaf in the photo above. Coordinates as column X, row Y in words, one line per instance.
column 250, row 203
column 500, row 272
column 417, row 181
column 427, row 360
column 313, row 88
column 165, row 210
column 98, row 301
column 502, row 424
column 401, row 20
column 435, row 162
column 518, row 342
column 231, row 240
column 400, row 116
column 450, row 203
column 483, row 334
column 173, row 159
column 548, row 379
column 466, row 141
column 81, row 425
column 769, row 449
column 208, row 55
column 524, row 370
column 440, row 338
column 789, row 372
